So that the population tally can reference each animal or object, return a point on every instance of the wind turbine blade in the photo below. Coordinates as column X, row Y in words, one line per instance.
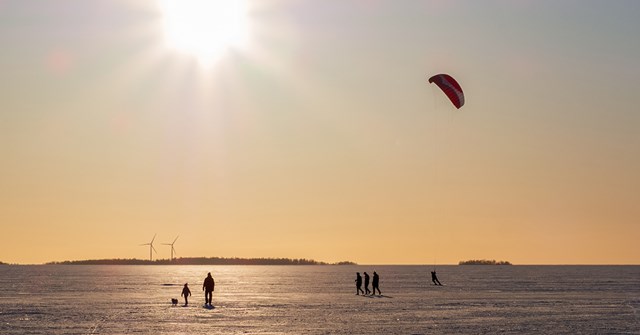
column 144, row 244
column 154, row 249
column 166, row 244
column 174, row 241
column 154, row 237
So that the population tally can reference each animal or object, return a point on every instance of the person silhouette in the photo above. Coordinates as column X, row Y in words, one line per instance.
column 366, row 284
column 434, row 278
column 376, row 282
column 208, row 286
column 358, row 284
column 186, row 292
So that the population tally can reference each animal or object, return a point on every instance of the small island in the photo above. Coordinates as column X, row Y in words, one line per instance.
column 483, row 262
column 201, row 261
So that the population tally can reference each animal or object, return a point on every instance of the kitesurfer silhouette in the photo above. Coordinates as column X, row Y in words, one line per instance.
column 434, row 278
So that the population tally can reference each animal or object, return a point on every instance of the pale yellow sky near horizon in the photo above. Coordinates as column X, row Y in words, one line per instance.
column 319, row 137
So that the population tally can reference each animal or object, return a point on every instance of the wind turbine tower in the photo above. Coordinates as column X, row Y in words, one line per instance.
column 151, row 248
column 173, row 250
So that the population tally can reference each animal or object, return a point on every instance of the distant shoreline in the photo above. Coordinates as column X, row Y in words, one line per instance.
column 483, row 262
column 167, row 262
column 201, row 261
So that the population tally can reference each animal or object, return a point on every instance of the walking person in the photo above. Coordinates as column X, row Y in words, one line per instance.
column 208, row 286
column 366, row 284
column 358, row 284
column 186, row 292
column 376, row 283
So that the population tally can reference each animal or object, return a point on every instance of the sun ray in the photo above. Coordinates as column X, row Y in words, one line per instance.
column 205, row 29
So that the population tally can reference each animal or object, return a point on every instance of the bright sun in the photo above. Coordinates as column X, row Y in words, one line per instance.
column 205, row 28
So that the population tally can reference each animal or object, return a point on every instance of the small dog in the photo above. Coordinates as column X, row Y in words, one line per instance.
column 174, row 302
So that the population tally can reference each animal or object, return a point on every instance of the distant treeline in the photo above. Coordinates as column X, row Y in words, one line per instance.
column 483, row 262
column 201, row 261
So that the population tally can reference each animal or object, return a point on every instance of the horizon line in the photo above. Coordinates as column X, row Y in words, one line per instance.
column 320, row 263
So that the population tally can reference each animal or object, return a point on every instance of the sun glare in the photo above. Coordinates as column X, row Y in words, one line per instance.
column 205, row 29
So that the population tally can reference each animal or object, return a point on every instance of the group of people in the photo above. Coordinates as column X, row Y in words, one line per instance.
column 375, row 284
column 208, row 286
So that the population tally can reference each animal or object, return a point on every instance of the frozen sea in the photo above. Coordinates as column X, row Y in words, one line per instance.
column 77, row 299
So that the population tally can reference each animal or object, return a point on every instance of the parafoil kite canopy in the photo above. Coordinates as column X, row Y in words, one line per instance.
column 450, row 87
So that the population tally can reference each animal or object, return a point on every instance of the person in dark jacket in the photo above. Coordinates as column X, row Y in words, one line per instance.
column 366, row 284
column 358, row 284
column 186, row 292
column 376, row 283
column 208, row 286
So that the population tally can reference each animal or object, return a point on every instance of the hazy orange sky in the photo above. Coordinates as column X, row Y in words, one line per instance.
column 307, row 129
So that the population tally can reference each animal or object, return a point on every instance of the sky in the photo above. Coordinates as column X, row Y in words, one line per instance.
column 308, row 129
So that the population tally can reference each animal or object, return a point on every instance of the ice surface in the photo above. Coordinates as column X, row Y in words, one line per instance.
column 320, row 300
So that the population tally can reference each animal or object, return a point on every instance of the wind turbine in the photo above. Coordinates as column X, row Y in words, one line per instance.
column 173, row 250
column 151, row 248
